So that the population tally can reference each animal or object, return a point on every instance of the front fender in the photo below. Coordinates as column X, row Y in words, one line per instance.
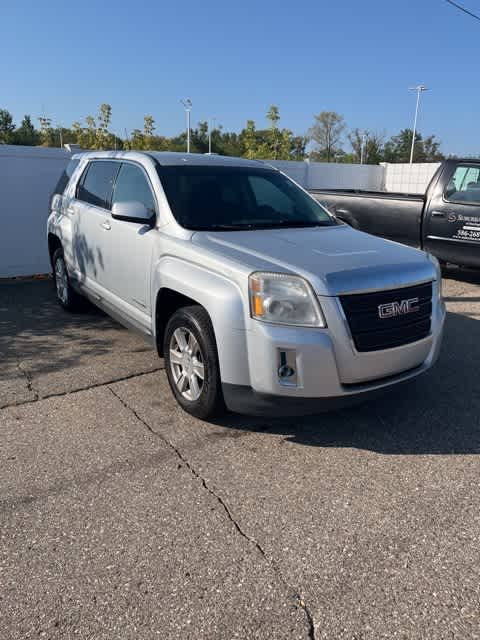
column 224, row 303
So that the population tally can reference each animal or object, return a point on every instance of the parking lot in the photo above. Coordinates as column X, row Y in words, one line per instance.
column 123, row 517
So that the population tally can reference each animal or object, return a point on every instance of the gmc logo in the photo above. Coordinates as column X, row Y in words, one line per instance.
column 394, row 309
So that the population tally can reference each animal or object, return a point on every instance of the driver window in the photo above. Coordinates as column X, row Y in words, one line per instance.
column 132, row 186
column 464, row 186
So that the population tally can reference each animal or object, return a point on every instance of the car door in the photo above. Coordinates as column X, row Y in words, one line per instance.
column 92, row 223
column 131, row 247
column 452, row 221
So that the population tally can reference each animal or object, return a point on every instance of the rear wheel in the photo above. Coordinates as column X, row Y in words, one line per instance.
column 67, row 297
column 191, row 362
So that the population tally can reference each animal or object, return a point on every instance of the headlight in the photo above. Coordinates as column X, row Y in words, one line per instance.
column 281, row 298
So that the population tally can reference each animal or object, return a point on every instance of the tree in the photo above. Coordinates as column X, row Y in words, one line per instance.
column 101, row 132
column 78, row 134
column 7, row 127
column 326, row 133
column 26, row 133
column 398, row 148
column 373, row 146
column 226, row 143
column 274, row 136
column 136, row 140
column 148, row 129
column 249, row 140
column 199, row 138
column 90, row 133
column 46, row 132
column 431, row 149
column 297, row 147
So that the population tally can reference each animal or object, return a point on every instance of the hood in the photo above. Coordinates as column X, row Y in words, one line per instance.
column 335, row 259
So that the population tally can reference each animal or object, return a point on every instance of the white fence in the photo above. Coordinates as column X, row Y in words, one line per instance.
column 409, row 178
column 403, row 178
column 328, row 175
column 28, row 176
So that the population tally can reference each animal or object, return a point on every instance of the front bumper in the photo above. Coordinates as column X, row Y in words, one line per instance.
column 329, row 372
column 243, row 399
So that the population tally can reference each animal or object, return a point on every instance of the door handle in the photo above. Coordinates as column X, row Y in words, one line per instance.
column 106, row 225
column 438, row 214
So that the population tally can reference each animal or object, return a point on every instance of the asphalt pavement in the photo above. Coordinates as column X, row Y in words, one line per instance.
column 123, row 517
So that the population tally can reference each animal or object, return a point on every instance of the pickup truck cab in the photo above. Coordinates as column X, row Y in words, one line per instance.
column 258, row 299
column 445, row 221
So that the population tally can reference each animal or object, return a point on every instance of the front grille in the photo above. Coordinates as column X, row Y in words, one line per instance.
column 370, row 332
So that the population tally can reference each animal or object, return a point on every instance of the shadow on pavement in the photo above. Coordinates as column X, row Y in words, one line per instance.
column 34, row 328
column 459, row 274
column 438, row 413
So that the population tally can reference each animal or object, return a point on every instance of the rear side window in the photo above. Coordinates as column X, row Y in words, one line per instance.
column 464, row 185
column 65, row 177
column 132, row 186
column 96, row 184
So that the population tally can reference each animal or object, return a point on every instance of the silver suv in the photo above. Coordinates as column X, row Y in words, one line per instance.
column 256, row 296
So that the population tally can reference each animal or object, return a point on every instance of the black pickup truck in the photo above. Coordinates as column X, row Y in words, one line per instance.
column 445, row 221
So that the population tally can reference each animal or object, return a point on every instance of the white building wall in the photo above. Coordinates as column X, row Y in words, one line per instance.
column 28, row 176
column 409, row 178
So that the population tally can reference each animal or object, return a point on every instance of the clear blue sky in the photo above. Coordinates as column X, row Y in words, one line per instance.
column 234, row 59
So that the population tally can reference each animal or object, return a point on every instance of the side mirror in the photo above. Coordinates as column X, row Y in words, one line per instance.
column 326, row 206
column 132, row 211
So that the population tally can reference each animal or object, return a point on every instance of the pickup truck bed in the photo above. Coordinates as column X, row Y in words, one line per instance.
column 445, row 221
column 399, row 220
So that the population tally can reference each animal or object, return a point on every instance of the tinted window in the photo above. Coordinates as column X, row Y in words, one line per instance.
column 65, row 177
column 232, row 198
column 268, row 194
column 97, row 183
column 132, row 186
column 464, row 186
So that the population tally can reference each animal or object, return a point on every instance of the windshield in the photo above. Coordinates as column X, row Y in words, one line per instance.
column 212, row 198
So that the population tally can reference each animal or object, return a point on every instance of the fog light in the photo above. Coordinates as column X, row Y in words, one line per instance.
column 287, row 369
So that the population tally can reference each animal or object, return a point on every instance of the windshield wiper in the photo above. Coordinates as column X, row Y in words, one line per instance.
column 222, row 227
column 279, row 224
column 251, row 226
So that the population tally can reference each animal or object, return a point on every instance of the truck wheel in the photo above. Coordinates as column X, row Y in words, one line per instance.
column 67, row 297
column 191, row 362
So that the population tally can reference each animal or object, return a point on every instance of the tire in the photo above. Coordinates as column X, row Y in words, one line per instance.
column 190, row 351
column 67, row 297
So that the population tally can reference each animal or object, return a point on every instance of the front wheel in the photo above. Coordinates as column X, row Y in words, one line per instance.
column 191, row 362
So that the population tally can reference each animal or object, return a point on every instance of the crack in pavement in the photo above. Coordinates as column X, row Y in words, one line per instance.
column 60, row 394
column 28, row 377
column 299, row 600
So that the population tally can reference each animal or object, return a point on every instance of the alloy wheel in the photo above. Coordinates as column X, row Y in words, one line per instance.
column 61, row 280
column 187, row 363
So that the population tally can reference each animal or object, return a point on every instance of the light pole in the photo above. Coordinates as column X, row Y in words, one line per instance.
column 210, row 135
column 60, row 131
column 187, row 103
column 419, row 89
column 362, row 146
